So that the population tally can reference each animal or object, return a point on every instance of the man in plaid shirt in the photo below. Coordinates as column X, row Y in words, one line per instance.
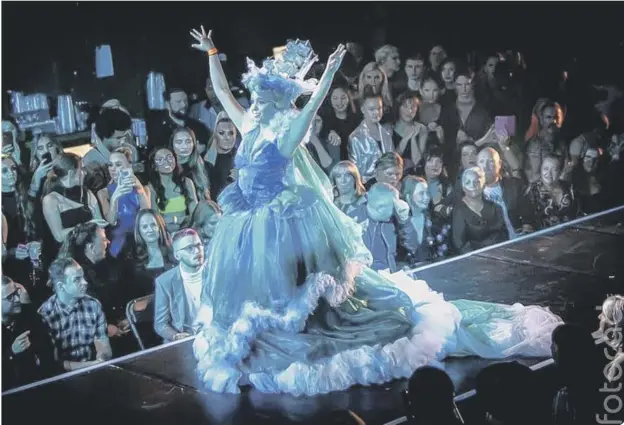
column 74, row 320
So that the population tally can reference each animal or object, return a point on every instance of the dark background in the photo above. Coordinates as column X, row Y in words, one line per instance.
column 49, row 47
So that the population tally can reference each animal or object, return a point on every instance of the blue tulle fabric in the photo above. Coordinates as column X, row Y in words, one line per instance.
column 289, row 304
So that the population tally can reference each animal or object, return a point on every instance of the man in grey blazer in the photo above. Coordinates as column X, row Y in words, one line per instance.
column 178, row 291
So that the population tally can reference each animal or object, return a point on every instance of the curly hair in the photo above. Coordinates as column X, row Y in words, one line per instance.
column 177, row 177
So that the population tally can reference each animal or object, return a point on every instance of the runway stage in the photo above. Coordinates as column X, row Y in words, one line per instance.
column 570, row 269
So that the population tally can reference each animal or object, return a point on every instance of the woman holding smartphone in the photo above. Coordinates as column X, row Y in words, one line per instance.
column 122, row 199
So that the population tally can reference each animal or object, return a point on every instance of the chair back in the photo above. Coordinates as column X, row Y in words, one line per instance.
column 140, row 314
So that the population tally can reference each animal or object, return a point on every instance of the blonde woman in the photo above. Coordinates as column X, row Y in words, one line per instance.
column 349, row 191
column 374, row 76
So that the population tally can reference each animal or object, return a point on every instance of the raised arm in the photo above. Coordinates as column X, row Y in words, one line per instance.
column 219, row 81
column 301, row 124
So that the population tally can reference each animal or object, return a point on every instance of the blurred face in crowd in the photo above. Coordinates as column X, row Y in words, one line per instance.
column 473, row 184
column 433, row 167
column 489, row 161
column 380, row 205
column 45, row 145
column 116, row 163
column 550, row 120
column 7, row 142
column 178, row 104
column 436, row 56
column 468, row 156
column 421, row 197
column 13, row 296
column 183, row 144
column 374, row 79
column 9, row 175
column 189, row 250
column 225, row 136
column 74, row 284
column 339, row 100
column 490, row 66
column 372, row 110
column 448, row 73
column 148, row 229
column 464, row 88
column 97, row 248
column 118, row 139
column 390, row 175
column 392, row 63
column 210, row 93
column 165, row 161
column 414, row 69
column 430, row 91
column 590, row 160
column 616, row 146
column 344, row 181
column 550, row 171
column 210, row 222
column 408, row 109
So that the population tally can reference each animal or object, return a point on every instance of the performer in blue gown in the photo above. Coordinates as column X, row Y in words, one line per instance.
column 289, row 303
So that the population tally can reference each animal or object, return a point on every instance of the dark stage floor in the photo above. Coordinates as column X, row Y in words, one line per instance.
column 570, row 270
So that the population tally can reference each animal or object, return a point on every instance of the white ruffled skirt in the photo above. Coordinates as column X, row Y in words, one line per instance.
column 328, row 337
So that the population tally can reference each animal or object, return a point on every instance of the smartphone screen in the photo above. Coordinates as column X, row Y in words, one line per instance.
column 507, row 123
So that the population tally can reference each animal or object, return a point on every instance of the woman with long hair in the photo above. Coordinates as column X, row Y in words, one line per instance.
column 22, row 235
column 122, row 199
column 184, row 145
column 349, row 191
column 44, row 150
column 152, row 250
column 409, row 136
column 374, row 79
column 66, row 202
column 339, row 119
column 170, row 192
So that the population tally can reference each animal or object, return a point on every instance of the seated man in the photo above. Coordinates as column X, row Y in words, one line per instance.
column 178, row 291
column 26, row 351
column 74, row 320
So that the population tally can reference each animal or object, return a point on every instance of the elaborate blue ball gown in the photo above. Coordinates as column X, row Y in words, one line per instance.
column 289, row 304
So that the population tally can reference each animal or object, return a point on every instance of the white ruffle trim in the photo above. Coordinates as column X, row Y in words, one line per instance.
column 435, row 335
column 219, row 351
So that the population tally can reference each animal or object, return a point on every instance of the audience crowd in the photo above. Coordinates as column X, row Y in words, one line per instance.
column 432, row 155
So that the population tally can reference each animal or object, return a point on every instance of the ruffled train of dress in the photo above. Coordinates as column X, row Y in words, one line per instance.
column 230, row 357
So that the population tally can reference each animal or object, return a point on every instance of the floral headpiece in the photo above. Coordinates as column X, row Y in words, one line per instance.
column 283, row 76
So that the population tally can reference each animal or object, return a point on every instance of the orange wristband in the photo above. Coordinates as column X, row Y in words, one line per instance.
column 212, row 52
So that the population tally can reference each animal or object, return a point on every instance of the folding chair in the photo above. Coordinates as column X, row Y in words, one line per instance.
column 140, row 313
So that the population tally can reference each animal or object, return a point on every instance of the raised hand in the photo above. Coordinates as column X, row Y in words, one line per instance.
column 335, row 59
column 204, row 40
